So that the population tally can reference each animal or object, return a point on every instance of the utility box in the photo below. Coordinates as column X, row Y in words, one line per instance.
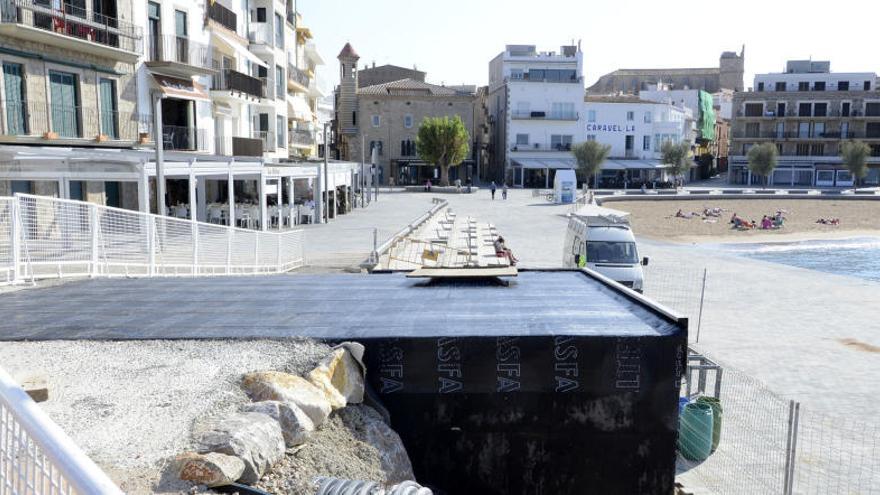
column 564, row 186
column 556, row 384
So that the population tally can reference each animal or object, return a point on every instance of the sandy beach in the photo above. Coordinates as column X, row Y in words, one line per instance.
column 657, row 220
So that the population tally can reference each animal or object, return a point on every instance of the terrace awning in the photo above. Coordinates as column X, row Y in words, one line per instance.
column 541, row 163
column 180, row 88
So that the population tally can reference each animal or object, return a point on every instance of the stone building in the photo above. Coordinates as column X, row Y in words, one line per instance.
column 386, row 117
column 728, row 75
column 807, row 112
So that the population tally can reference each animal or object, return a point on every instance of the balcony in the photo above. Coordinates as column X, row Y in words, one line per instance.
column 301, row 138
column 297, row 78
column 267, row 138
column 260, row 33
column 222, row 16
column 184, row 138
column 39, row 121
column 236, row 82
column 542, row 147
column 71, row 27
column 562, row 116
column 179, row 57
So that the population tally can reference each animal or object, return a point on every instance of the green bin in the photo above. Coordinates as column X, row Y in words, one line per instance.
column 695, row 431
column 717, row 414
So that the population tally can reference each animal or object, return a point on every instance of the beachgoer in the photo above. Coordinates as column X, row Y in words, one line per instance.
column 492, row 188
column 428, row 185
column 766, row 223
column 504, row 191
column 502, row 251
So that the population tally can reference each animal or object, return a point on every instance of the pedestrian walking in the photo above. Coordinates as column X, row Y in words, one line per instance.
column 504, row 191
column 492, row 188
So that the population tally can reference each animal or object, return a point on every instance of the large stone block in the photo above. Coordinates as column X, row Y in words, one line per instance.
column 296, row 427
column 340, row 375
column 284, row 387
column 211, row 469
column 253, row 437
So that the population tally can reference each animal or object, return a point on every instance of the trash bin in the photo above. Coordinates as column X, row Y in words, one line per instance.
column 695, row 431
column 717, row 414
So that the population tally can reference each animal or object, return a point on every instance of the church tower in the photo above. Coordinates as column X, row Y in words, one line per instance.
column 732, row 70
column 347, row 101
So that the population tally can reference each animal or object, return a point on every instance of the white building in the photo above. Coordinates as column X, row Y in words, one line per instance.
column 636, row 130
column 534, row 103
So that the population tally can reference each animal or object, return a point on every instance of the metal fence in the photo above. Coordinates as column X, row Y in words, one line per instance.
column 43, row 237
column 36, row 456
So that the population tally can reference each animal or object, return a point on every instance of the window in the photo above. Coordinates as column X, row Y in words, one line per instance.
column 591, row 116
column 154, row 30
column 376, row 120
column 280, row 125
column 779, row 148
column 646, row 143
column 562, row 110
column 107, row 95
column 754, row 109
column 820, row 110
column 64, row 91
column 803, row 86
column 803, row 129
column 780, row 86
column 354, row 118
column 408, row 121
column 261, row 14
column 817, row 149
column 523, row 109
column 279, row 31
column 657, row 139
column 872, row 130
column 377, row 145
column 780, row 130
column 805, row 109
column 16, row 110
column 875, row 150
column 760, row 86
column 819, row 86
column 819, row 129
column 630, row 116
column 279, row 82
column 407, row 148
column 649, row 117
column 180, row 23
column 844, row 109
column 872, row 109
column 522, row 139
column 516, row 73
column 844, row 130
column 867, row 86
column 561, row 142
column 843, row 85
column 591, row 137
column 753, row 129
column 780, row 109
column 803, row 150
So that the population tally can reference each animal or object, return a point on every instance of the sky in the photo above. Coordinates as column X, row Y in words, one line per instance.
column 453, row 40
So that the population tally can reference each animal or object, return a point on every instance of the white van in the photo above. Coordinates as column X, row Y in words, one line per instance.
column 605, row 245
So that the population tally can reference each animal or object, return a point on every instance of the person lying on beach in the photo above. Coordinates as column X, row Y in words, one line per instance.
column 712, row 212
column 688, row 215
column 741, row 223
column 829, row 221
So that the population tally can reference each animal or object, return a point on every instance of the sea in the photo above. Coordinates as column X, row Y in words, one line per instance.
column 856, row 257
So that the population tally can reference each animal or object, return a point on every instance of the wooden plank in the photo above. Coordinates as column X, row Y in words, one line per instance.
column 506, row 271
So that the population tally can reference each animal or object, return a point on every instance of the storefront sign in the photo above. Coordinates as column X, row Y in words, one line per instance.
column 611, row 128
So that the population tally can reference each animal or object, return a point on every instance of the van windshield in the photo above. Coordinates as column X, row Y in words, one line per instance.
column 611, row 252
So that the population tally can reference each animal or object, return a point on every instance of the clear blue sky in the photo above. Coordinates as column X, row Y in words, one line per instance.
column 453, row 40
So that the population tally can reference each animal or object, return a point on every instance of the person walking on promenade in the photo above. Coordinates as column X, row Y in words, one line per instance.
column 492, row 188
column 504, row 191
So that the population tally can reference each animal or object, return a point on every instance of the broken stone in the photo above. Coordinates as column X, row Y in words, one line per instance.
column 340, row 375
column 211, row 469
column 392, row 454
column 284, row 387
column 296, row 427
column 37, row 387
column 253, row 437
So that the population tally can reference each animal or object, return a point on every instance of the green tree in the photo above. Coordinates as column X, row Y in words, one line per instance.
column 443, row 141
column 590, row 155
column 676, row 157
column 762, row 159
column 855, row 158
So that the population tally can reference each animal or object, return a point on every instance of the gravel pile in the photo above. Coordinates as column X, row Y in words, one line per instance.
column 133, row 405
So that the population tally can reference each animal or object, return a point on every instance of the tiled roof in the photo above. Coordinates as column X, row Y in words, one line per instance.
column 410, row 87
column 348, row 51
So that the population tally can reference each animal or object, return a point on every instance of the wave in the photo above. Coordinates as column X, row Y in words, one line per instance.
column 826, row 245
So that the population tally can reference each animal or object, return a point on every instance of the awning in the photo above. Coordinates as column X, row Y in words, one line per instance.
column 180, row 88
column 554, row 163
column 298, row 108
column 237, row 47
column 633, row 165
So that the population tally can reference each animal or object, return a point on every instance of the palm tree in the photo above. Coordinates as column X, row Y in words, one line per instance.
column 762, row 160
column 590, row 155
column 676, row 157
column 855, row 157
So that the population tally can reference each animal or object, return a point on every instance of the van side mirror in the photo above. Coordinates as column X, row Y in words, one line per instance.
column 645, row 261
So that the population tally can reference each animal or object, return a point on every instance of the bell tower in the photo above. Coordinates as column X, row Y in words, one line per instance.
column 348, row 84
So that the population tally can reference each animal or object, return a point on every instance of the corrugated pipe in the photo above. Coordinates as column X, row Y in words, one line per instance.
column 336, row 486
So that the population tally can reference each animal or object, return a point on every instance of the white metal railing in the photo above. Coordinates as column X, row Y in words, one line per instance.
column 36, row 456
column 43, row 237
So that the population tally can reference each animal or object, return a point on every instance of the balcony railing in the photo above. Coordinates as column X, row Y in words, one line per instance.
column 808, row 136
column 183, row 138
column 267, row 138
column 73, row 21
column 544, row 116
column 301, row 137
column 56, row 121
column 222, row 16
column 542, row 147
column 171, row 48
column 298, row 76
column 232, row 80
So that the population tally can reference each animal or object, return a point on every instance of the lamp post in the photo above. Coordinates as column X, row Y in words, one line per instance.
column 160, row 153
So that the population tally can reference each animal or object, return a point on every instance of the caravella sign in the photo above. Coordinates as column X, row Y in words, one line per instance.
column 611, row 128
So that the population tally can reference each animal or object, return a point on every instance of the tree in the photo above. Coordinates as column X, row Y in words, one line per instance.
column 676, row 157
column 855, row 158
column 443, row 141
column 762, row 159
column 590, row 155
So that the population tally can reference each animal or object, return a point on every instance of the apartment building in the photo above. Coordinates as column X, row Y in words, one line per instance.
column 385, row 116
column 635, row 129
column 534, row 104
column 89, row 89
column 807, row 111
